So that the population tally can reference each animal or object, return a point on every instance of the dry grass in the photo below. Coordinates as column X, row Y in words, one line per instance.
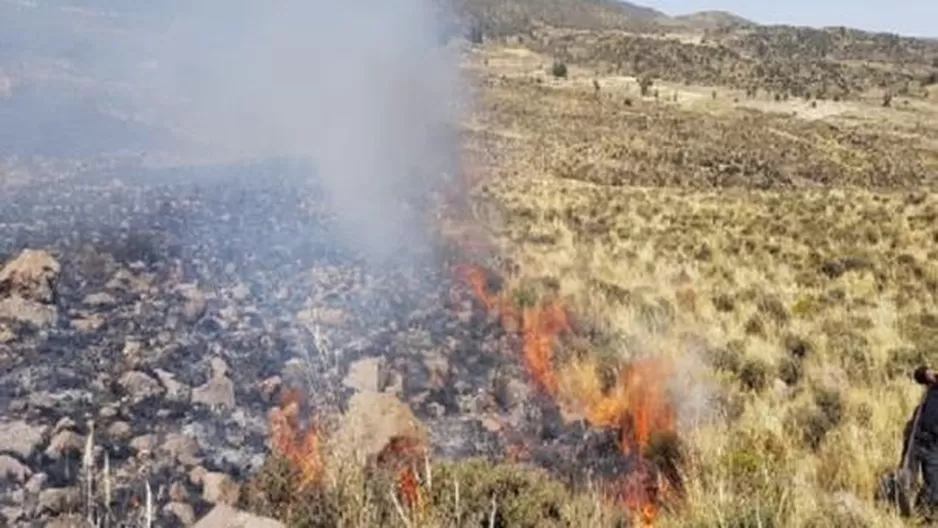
column 788, row 263
column 795, row 258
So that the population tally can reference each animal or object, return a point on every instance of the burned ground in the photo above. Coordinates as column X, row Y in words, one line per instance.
column 189, row 299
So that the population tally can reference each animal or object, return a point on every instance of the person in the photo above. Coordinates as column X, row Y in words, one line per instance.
column 920, row 449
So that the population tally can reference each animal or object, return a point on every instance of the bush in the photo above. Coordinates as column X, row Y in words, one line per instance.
column 559, row 70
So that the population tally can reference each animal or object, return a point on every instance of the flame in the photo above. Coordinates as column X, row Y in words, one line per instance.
column 638, row 404
column 402, row 454
column 301, row 447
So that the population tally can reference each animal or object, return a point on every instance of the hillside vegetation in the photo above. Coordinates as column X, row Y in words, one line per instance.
column 789, row 247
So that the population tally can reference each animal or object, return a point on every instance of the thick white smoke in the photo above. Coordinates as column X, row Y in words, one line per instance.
column 365, row 89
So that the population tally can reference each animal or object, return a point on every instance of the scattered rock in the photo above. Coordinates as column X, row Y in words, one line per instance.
column 223, row 516
column 143, row 444
column 175, row 391
column 182, row 448
column 184, row 513
column 373, row 420
column 59, row 500
column 88, row 324
column 64, row 443
column 12, row 469
column 21, row 438
column 367, row 374
column 139, row 386
column 120, row 431
column 219, row 488
column 31, row 276
column 219, row 391
column 100, row 300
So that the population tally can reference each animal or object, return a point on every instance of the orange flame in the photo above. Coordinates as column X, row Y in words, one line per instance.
column 638, row 404
column 403, row 453
column 300, row 447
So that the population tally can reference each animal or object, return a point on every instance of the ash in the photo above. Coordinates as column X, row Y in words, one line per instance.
column 188, row 300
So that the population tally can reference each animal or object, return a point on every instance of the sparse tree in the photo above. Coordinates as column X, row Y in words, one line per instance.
column 887, row 100
column 559, row 70
column 596, row 86
column 475, row 34
column 644, row 84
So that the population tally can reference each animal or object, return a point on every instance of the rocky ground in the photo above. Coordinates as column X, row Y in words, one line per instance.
column 151, row 320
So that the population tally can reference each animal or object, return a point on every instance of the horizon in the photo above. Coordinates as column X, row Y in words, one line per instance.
column 909, row 18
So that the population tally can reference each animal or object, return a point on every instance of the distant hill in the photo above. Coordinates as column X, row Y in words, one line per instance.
column 713, row 20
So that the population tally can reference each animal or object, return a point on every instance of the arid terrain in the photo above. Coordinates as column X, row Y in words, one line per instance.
column 681, row 279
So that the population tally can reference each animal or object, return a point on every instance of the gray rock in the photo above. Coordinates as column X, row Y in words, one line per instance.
column 182, row 511
column 140, row 385
column 100, row 300
column 182, row 448
column 27, row 288
column 36, row 483
column 31, row 276
column 219, row 390
column 12, row 515
column 31, row 312
column 223, row 516
column 219, row 488
column 143, row 444
column 368, row 374
column 63, row 443
column 21, row 438
column 176, row 391
column 59, row 500
column 121, row 431
column 12, row 469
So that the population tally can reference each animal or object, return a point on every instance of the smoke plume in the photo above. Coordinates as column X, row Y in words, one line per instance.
column 363, row 89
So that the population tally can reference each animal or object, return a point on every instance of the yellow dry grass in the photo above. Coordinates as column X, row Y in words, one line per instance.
column 793, row 259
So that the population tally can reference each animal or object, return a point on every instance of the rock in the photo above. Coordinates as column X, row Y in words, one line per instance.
column 223, row 516
column 219, row 488
column 31, row 276
column 6, row 335
column 182, row 448
column 37, row 314
column 175, row 391
column 367, row 374
column 12, row 515
column 120, row 431
column 182, row 511
column 21, row 438
column 270, row 387
column 65, row 424
column 143, row 444
column 240, row 292
column 100, row 300
column 438, row 368
column 195, row 305
column 219, row 391
column 178, row 492
column 139, row 386
column 36, row 483
column 64, row 443
column 12, row 469
column 59, row 500
column 372, row 421
column 88, row 324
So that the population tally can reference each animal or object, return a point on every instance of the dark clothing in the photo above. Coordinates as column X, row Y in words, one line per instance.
column 924, row 448
column 928, row 422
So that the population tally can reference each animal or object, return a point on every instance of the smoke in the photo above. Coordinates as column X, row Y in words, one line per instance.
column 363, row 89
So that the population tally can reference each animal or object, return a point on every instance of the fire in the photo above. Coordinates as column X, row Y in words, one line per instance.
column 301, row 447
column 638, row 404
column 401, row 455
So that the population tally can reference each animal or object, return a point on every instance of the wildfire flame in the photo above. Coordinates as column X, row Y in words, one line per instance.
column 301, row 447
column 637, row 405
